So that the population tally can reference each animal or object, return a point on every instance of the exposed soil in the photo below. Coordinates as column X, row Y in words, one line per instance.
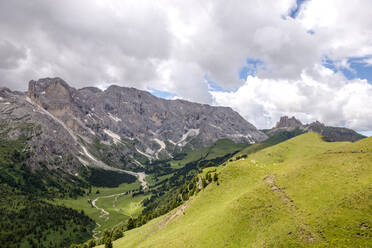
column 304, row 229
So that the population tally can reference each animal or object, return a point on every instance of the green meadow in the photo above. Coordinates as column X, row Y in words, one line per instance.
column 303, row 192
column 120, row 208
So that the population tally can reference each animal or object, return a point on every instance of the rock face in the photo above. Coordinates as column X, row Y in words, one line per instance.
column 329, row 133
column 49, row 140
column 286, row 122
column 334, row 133
column 123, row 126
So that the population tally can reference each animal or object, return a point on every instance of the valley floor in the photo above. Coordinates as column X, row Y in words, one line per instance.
column 109, row 207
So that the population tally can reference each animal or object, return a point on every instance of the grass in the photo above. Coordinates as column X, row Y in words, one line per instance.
column 300, row 193
column 218, row 149
column 115, row 217
column 275, row 138
column 128, row 205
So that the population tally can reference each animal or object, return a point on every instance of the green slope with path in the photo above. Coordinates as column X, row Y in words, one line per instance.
column 304, row 192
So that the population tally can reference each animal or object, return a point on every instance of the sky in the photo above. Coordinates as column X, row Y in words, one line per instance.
column 307, row 58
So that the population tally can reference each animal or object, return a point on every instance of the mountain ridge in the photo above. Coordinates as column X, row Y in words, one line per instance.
column 329, row 133
column 133, row 126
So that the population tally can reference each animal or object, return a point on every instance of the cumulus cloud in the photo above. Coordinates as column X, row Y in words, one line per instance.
column 86, row 42
column 341, row 103
column 343, row 27
column 174, row 45
column 11, row 56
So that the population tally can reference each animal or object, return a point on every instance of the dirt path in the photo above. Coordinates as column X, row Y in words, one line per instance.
column 103, row 211
column 141, row 176
column 96, row 232
column 180, row 211
column 282, row 195
column 305, row 230
column 170, row 216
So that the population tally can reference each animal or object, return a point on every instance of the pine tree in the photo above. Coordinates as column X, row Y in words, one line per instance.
column 204, row 183
column 91, row 243
column 130, row 224
column 117, row 234
column 108, row 243
column 215, row 177
column 209, row 177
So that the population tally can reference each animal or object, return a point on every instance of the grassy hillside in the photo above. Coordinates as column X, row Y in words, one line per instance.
column 172, row 184
column 274, row 138
column 300, row 193
column 218, row 149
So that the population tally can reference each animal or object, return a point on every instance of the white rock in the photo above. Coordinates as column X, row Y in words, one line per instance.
column 113, row 135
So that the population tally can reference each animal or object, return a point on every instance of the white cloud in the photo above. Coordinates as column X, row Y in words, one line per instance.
column 171, row 45
column 263, row 101
column 368, row 62
column 11, row 55
column 343, row 27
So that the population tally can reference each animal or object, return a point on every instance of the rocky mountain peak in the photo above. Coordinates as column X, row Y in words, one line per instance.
column 47, row 84
column 286, row 122
column 50, row 92
column 316, row 124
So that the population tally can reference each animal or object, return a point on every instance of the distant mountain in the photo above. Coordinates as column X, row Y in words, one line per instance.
column 119, row 127
column 329, row 133
column 287, row 123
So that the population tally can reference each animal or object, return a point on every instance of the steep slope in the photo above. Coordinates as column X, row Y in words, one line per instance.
column 154, row 127
column 50, row 141
column 304, row 192
column 27, row 219
column 53, row 147
column 329, row 133
column 170, row 184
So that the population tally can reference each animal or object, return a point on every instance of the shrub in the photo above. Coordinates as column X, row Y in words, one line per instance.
column 117, row 234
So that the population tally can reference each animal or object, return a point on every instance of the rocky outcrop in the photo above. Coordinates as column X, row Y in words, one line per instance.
column 333, row 133
column 286, row 122
column 329, row 133
column 50, row 142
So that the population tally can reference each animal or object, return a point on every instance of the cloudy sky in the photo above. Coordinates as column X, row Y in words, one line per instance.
column 264, row 58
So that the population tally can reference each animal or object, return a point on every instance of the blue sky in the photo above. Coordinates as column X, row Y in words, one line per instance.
column 294, row 11
column 161, row 93
column 358, row 68
column 366, row 133
column 250, row 69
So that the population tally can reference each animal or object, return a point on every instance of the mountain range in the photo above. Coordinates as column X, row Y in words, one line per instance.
column 329, row 133
column 125, row 127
